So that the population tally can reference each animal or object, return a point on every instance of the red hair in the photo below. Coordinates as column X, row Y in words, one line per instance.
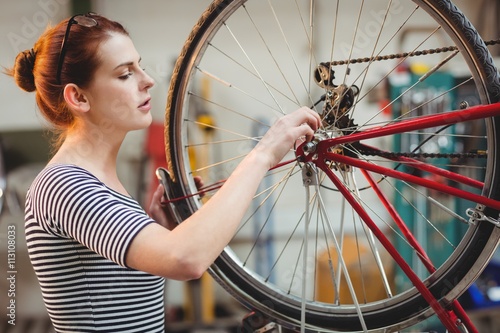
column 35, row 69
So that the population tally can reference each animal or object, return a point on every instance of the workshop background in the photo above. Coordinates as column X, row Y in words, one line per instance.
column 158, row 29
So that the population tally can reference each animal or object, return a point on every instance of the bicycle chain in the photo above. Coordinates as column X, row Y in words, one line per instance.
column 404, row 54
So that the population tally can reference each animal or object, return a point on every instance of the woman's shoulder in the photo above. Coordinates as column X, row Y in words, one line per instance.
column 63, row 176
column 64, row 171
column 70, row 179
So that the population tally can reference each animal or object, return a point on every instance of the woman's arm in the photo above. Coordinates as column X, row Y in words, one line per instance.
column 188, row 250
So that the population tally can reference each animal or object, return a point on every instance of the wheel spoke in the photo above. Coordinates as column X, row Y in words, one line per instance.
column 405, row 152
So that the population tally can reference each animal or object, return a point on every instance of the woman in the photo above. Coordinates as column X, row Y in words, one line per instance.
column 99, row 258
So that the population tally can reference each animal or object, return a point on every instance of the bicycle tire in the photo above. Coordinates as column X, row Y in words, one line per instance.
column 250, row 288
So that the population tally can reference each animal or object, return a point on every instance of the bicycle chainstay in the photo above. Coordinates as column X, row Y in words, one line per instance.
column 387, row 154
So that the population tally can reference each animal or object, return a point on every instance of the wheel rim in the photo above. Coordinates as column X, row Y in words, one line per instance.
column 233, row 269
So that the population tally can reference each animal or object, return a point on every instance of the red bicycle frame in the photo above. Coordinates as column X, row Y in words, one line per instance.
column 322, row 155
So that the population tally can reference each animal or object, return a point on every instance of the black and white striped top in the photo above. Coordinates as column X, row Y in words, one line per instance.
column 78, row 232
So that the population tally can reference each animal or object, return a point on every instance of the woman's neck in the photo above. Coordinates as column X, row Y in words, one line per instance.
column 93, row 153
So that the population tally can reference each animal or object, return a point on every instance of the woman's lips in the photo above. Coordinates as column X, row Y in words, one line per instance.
column 146, row 106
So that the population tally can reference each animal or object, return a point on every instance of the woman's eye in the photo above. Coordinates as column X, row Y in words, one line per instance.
column 125, row 76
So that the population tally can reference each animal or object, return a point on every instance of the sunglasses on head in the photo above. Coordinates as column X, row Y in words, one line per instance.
column 85, row 20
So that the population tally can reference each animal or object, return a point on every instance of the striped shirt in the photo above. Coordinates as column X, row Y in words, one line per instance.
column 78, row 231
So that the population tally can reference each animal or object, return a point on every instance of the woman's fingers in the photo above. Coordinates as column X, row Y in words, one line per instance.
column 302, row 123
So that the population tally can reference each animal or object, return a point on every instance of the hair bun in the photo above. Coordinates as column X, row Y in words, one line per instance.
column 23, row 70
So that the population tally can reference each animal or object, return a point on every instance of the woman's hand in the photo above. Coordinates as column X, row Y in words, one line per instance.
column 158, row 210
column 286, row 131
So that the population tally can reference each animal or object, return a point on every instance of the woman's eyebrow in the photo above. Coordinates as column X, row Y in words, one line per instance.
column 126, row 64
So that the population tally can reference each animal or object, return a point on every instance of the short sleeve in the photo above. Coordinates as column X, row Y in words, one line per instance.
column 69, row 202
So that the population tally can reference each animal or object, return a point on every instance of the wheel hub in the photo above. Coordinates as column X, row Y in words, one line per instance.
column 338, row 101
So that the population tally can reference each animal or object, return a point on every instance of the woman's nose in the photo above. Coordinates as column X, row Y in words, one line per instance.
column 147, row 81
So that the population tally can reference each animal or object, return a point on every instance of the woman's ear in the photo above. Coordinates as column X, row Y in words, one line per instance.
column 76, row 98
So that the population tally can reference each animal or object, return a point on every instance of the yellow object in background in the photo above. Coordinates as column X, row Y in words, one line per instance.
column 419, row 68
column 365, row 276
column 200, row 302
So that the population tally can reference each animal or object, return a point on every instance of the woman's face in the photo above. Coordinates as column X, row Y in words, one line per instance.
column 118, row 95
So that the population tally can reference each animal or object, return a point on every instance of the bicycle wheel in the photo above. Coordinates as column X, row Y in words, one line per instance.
column 307, row 259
